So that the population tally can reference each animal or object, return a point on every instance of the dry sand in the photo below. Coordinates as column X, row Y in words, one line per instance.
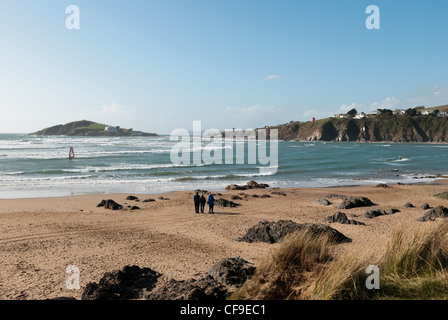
column 41, row 237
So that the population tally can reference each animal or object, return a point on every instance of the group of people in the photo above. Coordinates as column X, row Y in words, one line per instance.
column 199, row 202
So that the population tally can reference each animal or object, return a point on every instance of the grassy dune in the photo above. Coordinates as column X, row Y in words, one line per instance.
column 412, row 266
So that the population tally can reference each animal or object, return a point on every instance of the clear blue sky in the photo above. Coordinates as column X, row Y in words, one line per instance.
column 157, row 65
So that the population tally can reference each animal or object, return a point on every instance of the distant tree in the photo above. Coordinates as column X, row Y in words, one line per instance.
column 411, row 112
column 386, row 112
column 352, row 112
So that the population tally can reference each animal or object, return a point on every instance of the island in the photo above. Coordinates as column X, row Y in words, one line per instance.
column 90, row 128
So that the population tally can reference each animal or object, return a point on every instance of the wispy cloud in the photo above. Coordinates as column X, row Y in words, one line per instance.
column 116, row 109
column 253, row 110
column 271, row 77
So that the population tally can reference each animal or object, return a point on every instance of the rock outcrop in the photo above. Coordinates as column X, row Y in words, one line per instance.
column 433, row 214
column 110, row 204
column 250, row 185
column 274, row 232
column 129, row 283
column 232, row 271
column 340, row 217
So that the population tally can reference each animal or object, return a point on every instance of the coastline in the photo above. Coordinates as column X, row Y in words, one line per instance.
column 42, row 236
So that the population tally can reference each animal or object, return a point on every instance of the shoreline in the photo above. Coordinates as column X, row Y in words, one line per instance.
column 41, row 237
column 442, row 180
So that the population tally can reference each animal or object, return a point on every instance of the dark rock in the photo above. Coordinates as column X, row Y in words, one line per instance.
column 226, row 203
column 408, row 205
column 443, row 195
column 274, row 232
column 340, row 217
column 425, row 206
column 279, row 193
column 128, row 283
column 382, row 185
column 322, row 201
column 265, row 196
column 355, row 202
column 232, row 271
column 437, row 212
column 255, row 196
column 132, row 198
column 149, row 200
column 254, row 185
column 110, row 204
column 203, row 289
column 63, row 299
column 236, row 198
column 250, row 185
column 379, row 212
column 134, row 208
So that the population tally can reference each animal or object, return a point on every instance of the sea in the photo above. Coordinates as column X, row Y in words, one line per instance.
column 39, row 166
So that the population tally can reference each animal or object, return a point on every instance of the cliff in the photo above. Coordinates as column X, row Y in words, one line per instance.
column 381, row 128
column 88, row 128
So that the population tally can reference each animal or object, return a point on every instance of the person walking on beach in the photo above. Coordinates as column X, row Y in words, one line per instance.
column 211, row 203
column 203, row 201
column 197, row 200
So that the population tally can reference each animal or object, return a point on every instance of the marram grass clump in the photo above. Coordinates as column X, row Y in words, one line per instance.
column 413, row 265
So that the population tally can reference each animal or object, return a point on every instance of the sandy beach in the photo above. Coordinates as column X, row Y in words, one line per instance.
column 41, row 237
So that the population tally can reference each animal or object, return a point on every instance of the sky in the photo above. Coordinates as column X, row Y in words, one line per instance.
column 159, row 65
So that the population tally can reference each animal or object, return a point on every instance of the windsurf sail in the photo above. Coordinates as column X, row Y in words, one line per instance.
column 71, row 154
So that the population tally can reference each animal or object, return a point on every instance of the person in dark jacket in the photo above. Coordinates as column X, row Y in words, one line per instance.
column 203, row 201
column 197, row 201
column 211, row 203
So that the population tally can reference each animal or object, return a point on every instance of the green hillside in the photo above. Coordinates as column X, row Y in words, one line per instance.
column 88, row 128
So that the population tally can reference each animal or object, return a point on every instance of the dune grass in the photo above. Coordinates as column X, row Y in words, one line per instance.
column 413, row 265
column 285, row 272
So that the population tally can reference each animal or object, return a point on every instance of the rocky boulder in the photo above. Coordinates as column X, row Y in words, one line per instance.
column 110, row 204
column 379, row 212
column 232, row 271
column 437, row 212
column 274, row 232
column 128, row 283
column 354, row 202
column 425, row 206
column 443, row 195
column 203, row 289
column 322, row 201
column 226, row 203
column 340, row 217
column 250, row 185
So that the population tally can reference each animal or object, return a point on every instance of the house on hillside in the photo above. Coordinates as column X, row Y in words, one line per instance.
column 110, row 129
column 341, row 115
column 399, row 111
column 375, row 112
column 361, row 115
column 427, row 112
